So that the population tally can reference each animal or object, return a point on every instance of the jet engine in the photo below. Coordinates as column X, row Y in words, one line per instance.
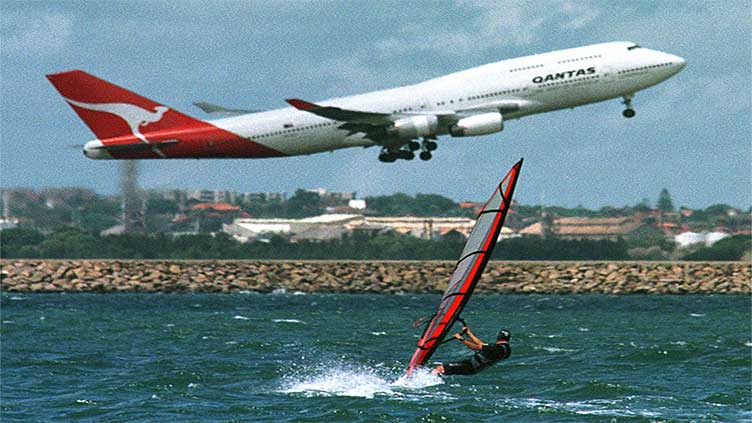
column 415, row 127
column 482, row 124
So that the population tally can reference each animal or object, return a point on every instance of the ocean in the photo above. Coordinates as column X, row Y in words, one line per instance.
column 290, row 357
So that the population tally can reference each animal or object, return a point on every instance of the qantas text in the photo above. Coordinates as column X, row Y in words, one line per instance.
column 563, row 75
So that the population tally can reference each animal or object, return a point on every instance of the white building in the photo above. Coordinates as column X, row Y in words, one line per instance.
column 327, row 226
column 686, row 239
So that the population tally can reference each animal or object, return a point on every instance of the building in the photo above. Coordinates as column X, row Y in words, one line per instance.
column 213, row 196
column 327, row 226
column 8, row 223
column 575, row 228
column 424, row 227
column 686, row 239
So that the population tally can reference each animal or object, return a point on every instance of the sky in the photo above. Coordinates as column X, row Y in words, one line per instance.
column 691, row 134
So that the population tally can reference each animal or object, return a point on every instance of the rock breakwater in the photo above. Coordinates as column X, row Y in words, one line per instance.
column 387, row 277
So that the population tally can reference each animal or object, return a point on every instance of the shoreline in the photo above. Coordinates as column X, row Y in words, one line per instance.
column 384, row 277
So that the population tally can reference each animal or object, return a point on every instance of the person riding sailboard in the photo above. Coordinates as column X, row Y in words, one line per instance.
column 467, row 273
column 485, row 354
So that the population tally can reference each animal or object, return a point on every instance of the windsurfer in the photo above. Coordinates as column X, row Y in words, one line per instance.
column 485, row 354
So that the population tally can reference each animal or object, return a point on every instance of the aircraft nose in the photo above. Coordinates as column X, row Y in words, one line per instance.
column 677, row 63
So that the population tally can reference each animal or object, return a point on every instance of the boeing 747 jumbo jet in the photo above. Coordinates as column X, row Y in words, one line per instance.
column 468, row 103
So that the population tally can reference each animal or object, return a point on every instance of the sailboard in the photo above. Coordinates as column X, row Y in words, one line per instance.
column 469, row 268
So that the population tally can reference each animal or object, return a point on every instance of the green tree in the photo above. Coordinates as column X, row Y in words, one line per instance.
column 665, row 204
column 71, row 243
column 19, row 242
column 731, row 248
column 304, row 204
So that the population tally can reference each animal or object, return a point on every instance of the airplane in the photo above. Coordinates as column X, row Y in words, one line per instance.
column 468, row 103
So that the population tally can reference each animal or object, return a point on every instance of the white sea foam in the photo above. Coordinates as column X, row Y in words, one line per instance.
column 359, row 382
column 595, row 407
column 748, row 344
column 341, row 382
column 279, row 291
column 85, row 401
column 289, row 321
column 239, row 317
column 378, row 333
column 554, row 349
column 16, row 298
column 420, row 378
column 696, row 315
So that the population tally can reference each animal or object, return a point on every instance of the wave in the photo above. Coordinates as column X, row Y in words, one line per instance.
column 289, row 321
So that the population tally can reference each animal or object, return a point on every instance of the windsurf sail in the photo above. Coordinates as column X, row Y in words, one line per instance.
column 469, row 268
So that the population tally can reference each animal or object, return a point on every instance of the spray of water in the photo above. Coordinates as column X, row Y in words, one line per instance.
column 357, row 381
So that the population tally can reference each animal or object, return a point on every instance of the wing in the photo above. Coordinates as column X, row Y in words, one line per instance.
column 344, row 115
column 375, row 124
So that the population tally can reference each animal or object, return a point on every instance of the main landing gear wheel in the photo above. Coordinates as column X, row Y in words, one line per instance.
column 429, row 145
column 629, row 111
column 425, row 155
column 413, row 145
column 387, row 156
column 406, row 154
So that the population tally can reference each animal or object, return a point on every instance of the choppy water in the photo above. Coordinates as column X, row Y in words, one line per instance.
column 313, row 358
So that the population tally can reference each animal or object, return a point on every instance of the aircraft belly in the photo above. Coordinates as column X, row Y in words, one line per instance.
column 301, row 144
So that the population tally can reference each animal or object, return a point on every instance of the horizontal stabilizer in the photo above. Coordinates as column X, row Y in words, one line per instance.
column 216, row 109
column 134, row 146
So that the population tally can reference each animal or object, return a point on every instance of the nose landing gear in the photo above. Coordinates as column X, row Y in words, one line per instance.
column 629, row 111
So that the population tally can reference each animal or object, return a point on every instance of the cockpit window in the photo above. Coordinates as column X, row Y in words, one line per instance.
column 632, row 47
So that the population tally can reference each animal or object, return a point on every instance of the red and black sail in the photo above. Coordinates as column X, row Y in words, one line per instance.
column 469, row 267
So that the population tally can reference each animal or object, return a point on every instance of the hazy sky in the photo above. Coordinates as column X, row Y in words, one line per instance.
column 691, row 133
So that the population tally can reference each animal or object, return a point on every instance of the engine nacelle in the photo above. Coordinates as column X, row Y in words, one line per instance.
column 415, row 127
column 482, row 124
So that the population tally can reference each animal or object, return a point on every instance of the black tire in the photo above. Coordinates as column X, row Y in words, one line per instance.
column 413, row 145
column 406, row 155
column 425, row 155
column 431, row 146
column 387, row 158
column 628, row 113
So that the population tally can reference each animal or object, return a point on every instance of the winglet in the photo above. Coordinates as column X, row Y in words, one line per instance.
column 301, row 104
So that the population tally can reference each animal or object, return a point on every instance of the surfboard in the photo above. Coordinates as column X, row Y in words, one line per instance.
column 469, row 268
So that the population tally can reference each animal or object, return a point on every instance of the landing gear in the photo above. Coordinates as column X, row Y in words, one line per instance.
column 406, row 154
column 429, row 145
column 390, row 156
column 387, row 157
column 629, row 111
column 407, row 151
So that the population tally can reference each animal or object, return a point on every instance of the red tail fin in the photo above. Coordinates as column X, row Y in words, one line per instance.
column 111, row 111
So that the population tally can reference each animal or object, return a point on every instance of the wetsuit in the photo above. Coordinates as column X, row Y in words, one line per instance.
column 488, row 355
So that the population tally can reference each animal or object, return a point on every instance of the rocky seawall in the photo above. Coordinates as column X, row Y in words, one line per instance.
column 387, row 277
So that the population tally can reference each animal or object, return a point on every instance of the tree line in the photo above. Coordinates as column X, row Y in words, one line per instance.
column 71, row 243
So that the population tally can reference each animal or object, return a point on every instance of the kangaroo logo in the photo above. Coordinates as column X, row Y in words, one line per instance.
column 133, row 115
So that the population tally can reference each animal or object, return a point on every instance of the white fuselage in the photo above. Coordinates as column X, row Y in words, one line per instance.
column 538, row 84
